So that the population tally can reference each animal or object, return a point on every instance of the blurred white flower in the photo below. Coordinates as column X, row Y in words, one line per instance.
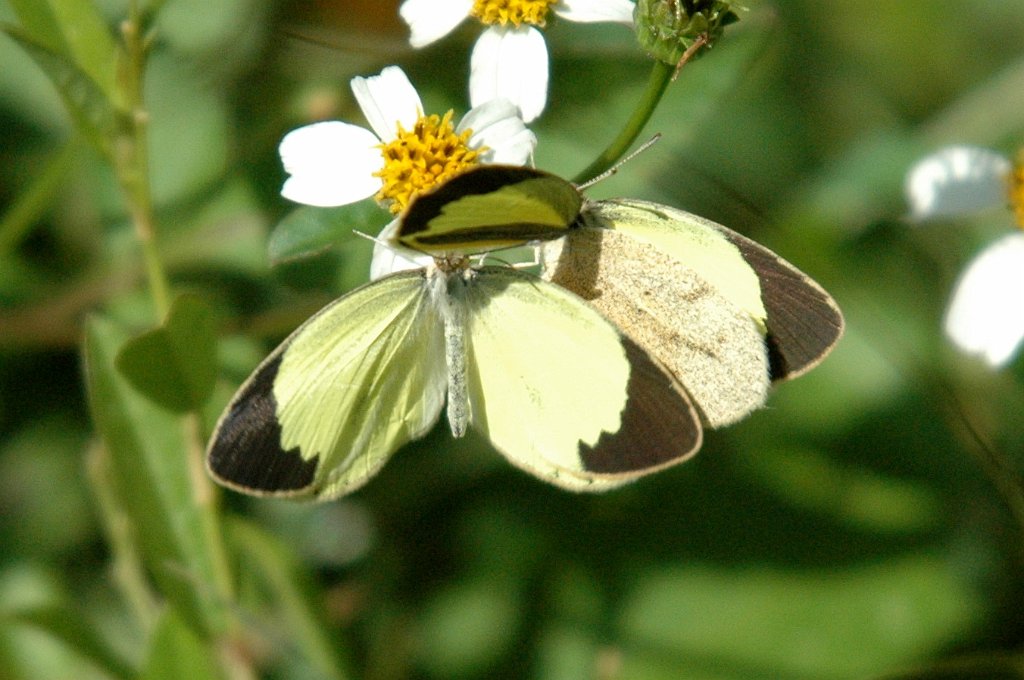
column 335, row 163
column 986, row 313
column 510, row 59
column 957, row 180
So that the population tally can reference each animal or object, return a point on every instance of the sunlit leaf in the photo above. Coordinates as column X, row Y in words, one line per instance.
column 77, row 30
column 467, row 628
column 841, row 622
column 308, row 231
column 92, row 111
column 175, row 364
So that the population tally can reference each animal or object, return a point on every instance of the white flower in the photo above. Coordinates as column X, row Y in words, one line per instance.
column 335, row 163
column 957, row 180
column 986, row 313
column 510, row 59
column 390, row 257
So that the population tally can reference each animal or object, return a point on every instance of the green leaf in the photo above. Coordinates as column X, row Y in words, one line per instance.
column 153, row 477
column 69, row 627
column 175, row 364
column 78, row 32
column 763, row 621
column 92, row 111
column 308, row 231
column 294, row 593
column 176, row 652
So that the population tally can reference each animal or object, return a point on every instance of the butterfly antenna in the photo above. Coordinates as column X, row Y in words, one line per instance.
column 615, row 168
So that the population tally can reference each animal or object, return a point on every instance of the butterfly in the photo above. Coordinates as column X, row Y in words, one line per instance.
column 552, row 384
column 724, row 314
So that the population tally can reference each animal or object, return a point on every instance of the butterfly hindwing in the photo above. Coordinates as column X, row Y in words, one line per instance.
column 561, row 393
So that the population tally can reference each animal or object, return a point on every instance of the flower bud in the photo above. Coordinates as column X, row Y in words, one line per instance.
column 668, row 28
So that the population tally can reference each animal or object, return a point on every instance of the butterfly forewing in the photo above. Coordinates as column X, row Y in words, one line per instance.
column 711, row 345
column 490, row 207
column 802, row 322
column 324, row 412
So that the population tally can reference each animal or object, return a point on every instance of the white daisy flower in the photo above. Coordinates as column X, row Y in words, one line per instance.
column 986, row 313
column 390, row 257
column 335, row 163
column 510, row 59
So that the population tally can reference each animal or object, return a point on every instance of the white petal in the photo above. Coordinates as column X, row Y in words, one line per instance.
column 387, row 100
column 431, row 20
column 497, row 125
column 586, row 11
column 957, row 180
column 389, row 257
column 986, row 315
column 516, row 148
column 510, row 63
column 330, row 163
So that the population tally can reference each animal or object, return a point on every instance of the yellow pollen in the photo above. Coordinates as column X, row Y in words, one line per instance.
column 420, row 158
column 515, row 12
column 1017, row 189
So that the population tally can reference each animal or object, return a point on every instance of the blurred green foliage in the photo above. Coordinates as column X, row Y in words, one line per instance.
column 860, row 526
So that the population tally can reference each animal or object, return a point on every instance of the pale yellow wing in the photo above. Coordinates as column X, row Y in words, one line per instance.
column 715, row 348
column 327, row 408
column 687, row 238
column 560, row 392
column 801, row 321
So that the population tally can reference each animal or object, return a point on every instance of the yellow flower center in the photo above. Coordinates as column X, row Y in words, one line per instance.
column 420, row 158
column 515, row 12
column 1017, row 189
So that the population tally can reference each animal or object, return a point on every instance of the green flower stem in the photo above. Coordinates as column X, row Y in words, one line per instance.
column 995, row 463
column 131, row 161
column 128, row 571
column 207, row 499
column 661, row 75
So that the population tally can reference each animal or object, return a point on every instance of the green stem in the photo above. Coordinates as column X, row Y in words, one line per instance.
column 995, row 463
column 661, row 75
column 131, row 158
column 128, row 571
column 207, row 499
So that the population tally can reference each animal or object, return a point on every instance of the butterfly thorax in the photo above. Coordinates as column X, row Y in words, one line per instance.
column 450, row 263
